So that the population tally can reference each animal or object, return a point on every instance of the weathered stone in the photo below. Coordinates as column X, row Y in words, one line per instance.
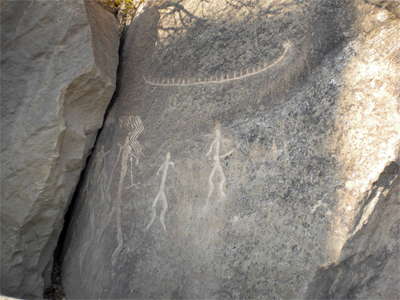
column 7, row 298
column 58, row 65
column 239, row 152
column 370, row 262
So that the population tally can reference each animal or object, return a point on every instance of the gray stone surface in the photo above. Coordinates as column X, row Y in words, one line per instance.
column 369, row 264
column 236, row 159
column 369, row 267
column 58, row 69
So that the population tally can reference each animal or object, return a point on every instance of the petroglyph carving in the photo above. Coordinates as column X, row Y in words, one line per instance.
column 98, row 167
column 135, row 127
column 318, row 205
column 217, row 168
column 129, row 150
column 86, row 245
column 161, row 193
column 221, row 78
column 101, row 172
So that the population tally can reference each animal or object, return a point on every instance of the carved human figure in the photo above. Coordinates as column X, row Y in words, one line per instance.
column 217, row 169
column 161, row 193
column 129, row 150
column 131, row 146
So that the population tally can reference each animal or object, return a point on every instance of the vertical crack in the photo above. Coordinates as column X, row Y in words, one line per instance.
column 55, row 290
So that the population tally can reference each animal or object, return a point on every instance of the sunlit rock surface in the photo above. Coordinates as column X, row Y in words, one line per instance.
column 58, row 68
column 369, row 263
column 238, row 156
column 368, row 208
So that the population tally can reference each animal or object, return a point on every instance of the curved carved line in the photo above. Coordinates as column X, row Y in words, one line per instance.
column 214, row 80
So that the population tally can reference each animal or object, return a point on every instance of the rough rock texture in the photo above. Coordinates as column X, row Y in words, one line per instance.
column 58, row 64
column 240, row 151
column 7, row 298
column 369, row 267
column 369, row 264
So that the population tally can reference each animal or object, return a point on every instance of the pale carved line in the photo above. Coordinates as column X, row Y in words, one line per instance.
column 127, row 151
column 224, row 78
column 135, row 126
column 136, row 150
column 99, row 167
column 161, row 193
column 318, row 205
column 217, row 168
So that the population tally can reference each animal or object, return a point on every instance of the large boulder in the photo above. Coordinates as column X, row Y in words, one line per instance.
column 240, row 152
column 58, row 65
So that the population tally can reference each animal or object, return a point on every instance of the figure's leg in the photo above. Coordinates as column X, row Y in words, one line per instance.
column 131, row 175
column 106, row 224
column 114, row 166
column 82, row 257
column 164, row 210
column 120, row 240
column 124, row 169
column 87, row 243
column 222, row 183
column 153, row 212
column 210, row 186
column 131, row 162
column 211, row 147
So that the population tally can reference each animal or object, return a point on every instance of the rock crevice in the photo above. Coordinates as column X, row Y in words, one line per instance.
column 58, row 75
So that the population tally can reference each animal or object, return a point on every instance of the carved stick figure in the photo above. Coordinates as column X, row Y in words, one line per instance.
column 128, row 150
column 118, row 204
column 161, row 193
column 217, row 168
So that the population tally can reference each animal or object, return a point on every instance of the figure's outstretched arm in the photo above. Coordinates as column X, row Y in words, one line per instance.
column 164, row 211
column 104, row 154
column 211, row 147
column 226, row 154
column 210, row 187
column 159, row 169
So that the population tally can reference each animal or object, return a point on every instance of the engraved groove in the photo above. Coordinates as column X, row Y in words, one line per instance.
column 237, row 75
column 161, row 194
column 217, row 167
column 130, row 149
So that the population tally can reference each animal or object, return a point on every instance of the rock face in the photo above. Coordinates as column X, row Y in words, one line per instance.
column 240, row 152
column 58, row 63
column 369, row 265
